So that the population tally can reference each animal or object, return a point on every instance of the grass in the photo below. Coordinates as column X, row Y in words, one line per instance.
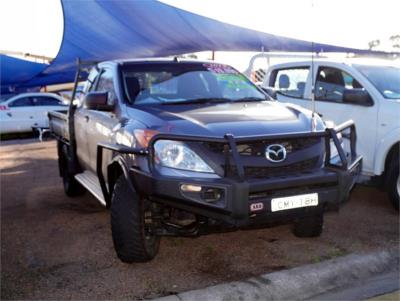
column 334, row 252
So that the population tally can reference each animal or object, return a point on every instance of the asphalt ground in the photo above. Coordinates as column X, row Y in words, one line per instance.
column 55, row 247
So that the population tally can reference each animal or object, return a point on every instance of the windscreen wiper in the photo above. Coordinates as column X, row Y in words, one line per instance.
column 244, row 99
column 198, row 100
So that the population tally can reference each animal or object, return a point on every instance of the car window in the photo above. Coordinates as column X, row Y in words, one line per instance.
column 290, row 82
column 163, row 82
column 171, row 83
column 87, row 87
column 106, row 84
column 46, row 101
column 385, row 78
column 332, row 82
column 91, row 80
column 21, row 102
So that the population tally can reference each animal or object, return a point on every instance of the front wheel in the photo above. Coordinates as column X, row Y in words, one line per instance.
column 310, row 226
column 393, row 184
column 132, row 237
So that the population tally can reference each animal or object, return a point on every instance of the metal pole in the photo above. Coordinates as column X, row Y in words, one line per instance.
column 313, row 118
column 71, row 127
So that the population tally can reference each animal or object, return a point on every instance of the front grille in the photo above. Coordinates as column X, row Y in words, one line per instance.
column 290, row 191
column 274, row 171
column 258, row 148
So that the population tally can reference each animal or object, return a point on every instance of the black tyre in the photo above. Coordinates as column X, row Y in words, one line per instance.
column 310, row 226
column 72, row 187
column 132, row 239
column 393, row 184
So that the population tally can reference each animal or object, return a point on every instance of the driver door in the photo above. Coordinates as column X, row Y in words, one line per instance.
column 330, row 84
column 81, row 122
column 101, row 123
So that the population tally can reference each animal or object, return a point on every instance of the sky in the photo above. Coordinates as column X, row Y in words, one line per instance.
column 35, row 26
column 31, row 26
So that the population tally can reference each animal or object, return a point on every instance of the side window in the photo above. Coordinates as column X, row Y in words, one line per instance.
column 21, row 102
column 46, row 101
column 290, row 82
column 332, row 82
column 87, row 87
column 91, row 80
column 106, row 84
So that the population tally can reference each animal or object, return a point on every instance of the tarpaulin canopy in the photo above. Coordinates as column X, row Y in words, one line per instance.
column 13, row 70
column 106, row 30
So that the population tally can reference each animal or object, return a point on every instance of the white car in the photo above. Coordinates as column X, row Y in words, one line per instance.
column 22, row 112
column 364, row 90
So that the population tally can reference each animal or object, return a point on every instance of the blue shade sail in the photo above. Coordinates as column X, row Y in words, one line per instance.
column 106, row 30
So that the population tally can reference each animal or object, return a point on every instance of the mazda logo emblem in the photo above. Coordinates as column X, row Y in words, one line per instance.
column 275, row 153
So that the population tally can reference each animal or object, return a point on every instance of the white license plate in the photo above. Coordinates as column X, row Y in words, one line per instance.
column 296, row 201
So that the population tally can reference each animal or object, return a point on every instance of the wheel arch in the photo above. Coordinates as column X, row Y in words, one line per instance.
column 384, row 150
column 393, row 152
column 62, row 151
column 115, row 169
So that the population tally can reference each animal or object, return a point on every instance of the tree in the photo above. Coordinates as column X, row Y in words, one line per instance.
column 374, row 43
column 395, row 39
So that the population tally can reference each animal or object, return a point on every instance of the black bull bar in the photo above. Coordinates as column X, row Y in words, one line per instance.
column 347, row 162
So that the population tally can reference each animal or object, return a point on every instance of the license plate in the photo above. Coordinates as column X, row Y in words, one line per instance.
column 296, row 201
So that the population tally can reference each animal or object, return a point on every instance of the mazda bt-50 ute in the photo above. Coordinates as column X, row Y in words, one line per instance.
column 189, row 148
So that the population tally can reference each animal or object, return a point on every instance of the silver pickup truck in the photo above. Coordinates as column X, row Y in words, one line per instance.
column 188, row 148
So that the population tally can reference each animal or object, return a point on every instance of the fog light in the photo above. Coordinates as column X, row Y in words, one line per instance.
column 190, row 188
column 211, row 194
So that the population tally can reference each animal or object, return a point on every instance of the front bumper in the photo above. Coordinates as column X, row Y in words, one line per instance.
column 332, row 182
column 332, row 186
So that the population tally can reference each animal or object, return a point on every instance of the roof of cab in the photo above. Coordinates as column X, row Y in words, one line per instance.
column 346, row 61
column 172, row 60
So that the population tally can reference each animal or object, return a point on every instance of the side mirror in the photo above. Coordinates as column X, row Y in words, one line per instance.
column 357, row 96
column 97, row 101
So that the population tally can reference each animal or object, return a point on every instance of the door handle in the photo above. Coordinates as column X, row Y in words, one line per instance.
column 87, row 118
column 9, row 114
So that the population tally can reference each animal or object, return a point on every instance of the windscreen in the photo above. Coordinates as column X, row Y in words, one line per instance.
column 385, row 78
column 184, row 82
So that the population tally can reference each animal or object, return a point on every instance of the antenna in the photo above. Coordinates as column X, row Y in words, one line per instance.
column 313, row 117
column 312, row 79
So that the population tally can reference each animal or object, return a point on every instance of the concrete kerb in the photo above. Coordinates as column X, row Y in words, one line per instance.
column 298, row 283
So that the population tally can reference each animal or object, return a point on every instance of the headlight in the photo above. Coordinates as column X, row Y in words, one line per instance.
column 177, row 155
